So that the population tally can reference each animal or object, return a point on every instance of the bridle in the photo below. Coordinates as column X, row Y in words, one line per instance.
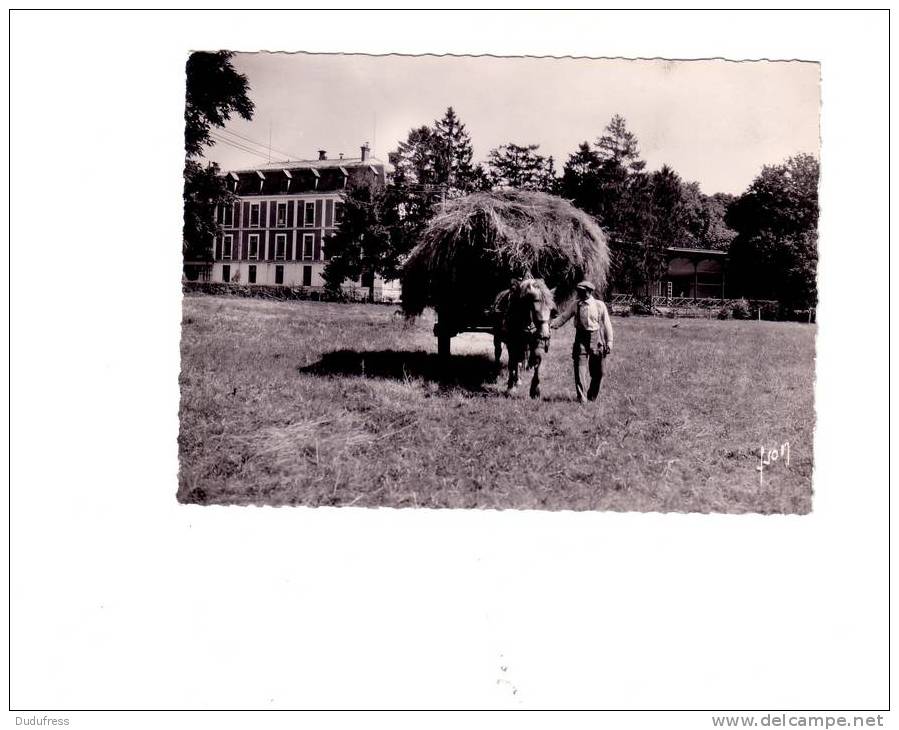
column 535, row 322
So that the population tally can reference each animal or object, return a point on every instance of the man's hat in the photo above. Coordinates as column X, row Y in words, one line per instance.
column 586, row 285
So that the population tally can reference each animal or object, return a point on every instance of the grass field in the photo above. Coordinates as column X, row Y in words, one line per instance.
column 307, row 403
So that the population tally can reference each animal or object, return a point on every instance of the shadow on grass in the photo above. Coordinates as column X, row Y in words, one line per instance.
column 471, row 372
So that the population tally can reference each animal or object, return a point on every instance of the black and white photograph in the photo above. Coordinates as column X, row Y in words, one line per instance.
column 448, row 366
column 502, row 283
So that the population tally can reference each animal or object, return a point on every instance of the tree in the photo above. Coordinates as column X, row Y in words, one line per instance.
column 432, row 165
column 452, row 154
column 214, row 91
column 667, row 220
column 520, row 166
column 774, row 254
column 439, row 157
column 370, row 241
column 705, row 219
column 549, row 179
column 653, row 215
column 597, row 179
column 618, row 145
column 414, row 160
column 607, row 181
column 580, row 178
column 203, row 193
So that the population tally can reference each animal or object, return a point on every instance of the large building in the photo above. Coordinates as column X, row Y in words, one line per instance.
column 277, row 231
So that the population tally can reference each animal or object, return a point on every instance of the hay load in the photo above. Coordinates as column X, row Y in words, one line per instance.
column 469, row 252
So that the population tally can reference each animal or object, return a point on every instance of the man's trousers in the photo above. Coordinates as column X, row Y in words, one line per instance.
column 588, row 353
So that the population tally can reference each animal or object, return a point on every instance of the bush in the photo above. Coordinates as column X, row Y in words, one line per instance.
column 724, row 312
column 740, row 309
column 279, row 293
column 771, row 310
column 641, row 308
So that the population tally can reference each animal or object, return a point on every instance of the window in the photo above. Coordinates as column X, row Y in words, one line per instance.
column 338, row 213
column 279, row 274
column 251, row 274
column 254, row 215
column 281, row 246
column 281, row 217
column 228, row 216
column 226, row 273
column 253, row 246
column 307, row 276
column 323, row 251
column 227, row 247
column 309, row 215
column 308, row 247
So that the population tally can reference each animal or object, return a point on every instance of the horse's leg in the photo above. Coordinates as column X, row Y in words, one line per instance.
column 513, row 375
column 535, row 381
column 514, row 364
column 497, row 352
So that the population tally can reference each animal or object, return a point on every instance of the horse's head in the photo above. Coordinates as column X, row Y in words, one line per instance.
column 539, row 300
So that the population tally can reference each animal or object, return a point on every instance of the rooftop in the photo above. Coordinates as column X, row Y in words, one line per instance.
column 703, row 251
column 311, row 164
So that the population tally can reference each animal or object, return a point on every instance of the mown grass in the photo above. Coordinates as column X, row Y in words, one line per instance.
column 306, row 403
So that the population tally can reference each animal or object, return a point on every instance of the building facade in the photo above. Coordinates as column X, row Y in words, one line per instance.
column 693, row 273
column 276, row 233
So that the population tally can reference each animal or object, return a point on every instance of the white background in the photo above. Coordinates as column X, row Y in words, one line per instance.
column 124, row 599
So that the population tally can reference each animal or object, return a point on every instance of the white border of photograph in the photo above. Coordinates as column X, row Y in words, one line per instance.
column 124, row 599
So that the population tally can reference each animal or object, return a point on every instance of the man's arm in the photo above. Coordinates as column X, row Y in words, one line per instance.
column 607, row 325
column 563, row 316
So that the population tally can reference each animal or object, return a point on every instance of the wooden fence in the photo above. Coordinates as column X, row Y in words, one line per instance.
column 705, row 307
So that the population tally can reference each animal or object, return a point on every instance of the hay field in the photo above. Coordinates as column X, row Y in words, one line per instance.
column 307, row 403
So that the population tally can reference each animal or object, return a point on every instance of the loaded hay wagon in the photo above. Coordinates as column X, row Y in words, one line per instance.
column 469, row 253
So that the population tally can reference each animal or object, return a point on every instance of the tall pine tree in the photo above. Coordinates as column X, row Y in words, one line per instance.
column 452, row 155
column 620, row 146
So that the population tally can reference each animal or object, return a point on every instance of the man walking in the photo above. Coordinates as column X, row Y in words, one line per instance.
column 592, row 340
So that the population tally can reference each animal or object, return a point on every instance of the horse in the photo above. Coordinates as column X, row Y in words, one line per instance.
column 521, row 317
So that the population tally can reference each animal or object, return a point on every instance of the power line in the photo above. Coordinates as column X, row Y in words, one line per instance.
column 262, row 146
column 242, row 149
column 247, row 139
column 238, row 146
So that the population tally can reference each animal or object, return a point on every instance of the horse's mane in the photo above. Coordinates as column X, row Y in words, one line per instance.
column 538, row 285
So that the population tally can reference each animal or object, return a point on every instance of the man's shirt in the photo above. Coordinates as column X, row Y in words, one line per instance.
column 591, row 315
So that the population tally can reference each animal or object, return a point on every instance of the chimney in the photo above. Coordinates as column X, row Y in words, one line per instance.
column 322, row 154
column 365, row 151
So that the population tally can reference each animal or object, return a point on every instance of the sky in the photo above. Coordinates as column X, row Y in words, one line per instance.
column 715, row 122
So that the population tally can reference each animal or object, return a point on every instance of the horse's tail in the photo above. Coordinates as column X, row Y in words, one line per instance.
column 501, row 303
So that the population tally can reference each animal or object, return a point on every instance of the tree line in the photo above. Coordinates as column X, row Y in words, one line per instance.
column 769, row 231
